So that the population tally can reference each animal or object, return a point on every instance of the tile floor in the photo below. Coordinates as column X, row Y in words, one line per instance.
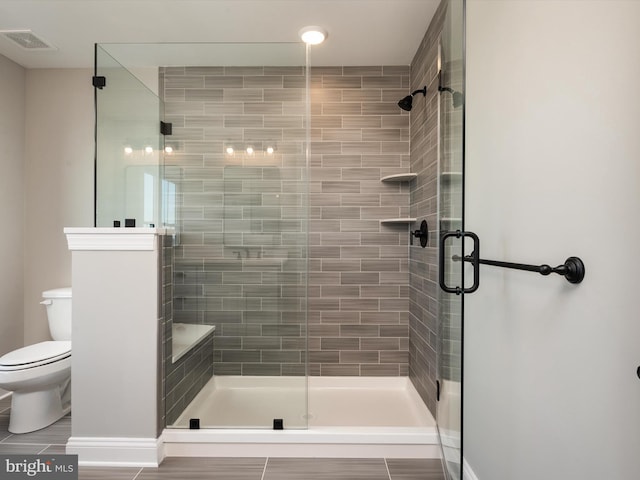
column 52, row 439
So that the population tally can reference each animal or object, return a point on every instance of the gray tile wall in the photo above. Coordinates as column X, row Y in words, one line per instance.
column 358, row 297
column 241, row 260
column 182, row 380
column 423, row 262
column 233, row 218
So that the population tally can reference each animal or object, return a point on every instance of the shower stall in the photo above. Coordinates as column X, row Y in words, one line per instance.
column 291, row 297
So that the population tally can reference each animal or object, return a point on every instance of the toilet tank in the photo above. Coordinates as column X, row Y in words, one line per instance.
column 58, row 303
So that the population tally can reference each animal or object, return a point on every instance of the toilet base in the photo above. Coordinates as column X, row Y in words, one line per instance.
column 31, row 411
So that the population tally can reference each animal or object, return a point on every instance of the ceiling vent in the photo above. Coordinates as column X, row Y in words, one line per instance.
column 27, row 40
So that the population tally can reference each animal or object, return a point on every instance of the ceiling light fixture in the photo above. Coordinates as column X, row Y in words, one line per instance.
column 313, row 35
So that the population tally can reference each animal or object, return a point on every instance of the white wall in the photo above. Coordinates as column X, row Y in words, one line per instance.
column 553, row 170
column 58, row 184
column 12, row 98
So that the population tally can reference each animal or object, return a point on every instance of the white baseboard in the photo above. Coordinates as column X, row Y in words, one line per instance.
column 116, row 452
column 467, row 473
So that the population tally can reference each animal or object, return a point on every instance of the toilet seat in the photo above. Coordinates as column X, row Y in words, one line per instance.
column 35, row 355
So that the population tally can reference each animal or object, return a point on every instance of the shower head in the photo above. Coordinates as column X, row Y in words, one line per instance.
column 457, row 97
column 406, row 102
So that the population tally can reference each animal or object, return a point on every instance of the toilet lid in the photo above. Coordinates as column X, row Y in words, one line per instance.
column 44, row 352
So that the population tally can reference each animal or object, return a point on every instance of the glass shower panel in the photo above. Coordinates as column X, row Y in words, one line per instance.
column 128, row 147
column 451, row 219
column 236, row 174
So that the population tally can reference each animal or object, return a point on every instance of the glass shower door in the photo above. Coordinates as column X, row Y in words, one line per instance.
column 451, row 221
column 128, row 147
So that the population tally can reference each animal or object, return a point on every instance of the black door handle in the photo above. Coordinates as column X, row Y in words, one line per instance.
column 474, row 258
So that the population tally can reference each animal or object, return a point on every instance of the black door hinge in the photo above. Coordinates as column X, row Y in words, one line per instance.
column 99, row 82
column 166, row 128
column 437, row 390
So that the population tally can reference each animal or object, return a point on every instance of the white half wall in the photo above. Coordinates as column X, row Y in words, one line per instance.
column 12, row 99
column 58, row 184
column 553, row 170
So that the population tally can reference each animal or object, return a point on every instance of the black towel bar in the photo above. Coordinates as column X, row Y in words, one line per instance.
column 572, row 269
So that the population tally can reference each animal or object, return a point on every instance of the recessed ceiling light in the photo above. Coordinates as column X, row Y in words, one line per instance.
column 313, row 35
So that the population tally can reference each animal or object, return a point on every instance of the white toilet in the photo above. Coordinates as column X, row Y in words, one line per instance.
column 40, row 375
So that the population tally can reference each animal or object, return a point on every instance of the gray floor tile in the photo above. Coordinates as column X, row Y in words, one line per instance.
column 57, row 434
column 99, row 473
column 55, row 450
column 5, row 404
column 193, row 468
column 415, row 469
column 4, row 427
column 326, row 469
column 14, row 449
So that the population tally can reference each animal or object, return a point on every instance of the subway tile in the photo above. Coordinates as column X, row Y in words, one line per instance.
column 202, row 71
column 362, row 95
column 380, row 318
column 324, row 356
column 390, row 344
column 359, row 331
column 284, row 95
column 359, row 357
column 367, row 173
column 394, row 357
column 361, row 200
column 265, row 81
column 380, row 291
column 340, row 371
column 386, row 81
column 340, row 317
column 381, row 134
column 380, row 108
column 334, row 108
column 360, row 225
column 338, row 343
column 380, row 370
column 339, row 81
column 202, row 95
column 243, row 71
column 183, row 81
column 340, row 291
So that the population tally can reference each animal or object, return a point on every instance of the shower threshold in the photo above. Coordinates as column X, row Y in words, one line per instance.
column 347, row 417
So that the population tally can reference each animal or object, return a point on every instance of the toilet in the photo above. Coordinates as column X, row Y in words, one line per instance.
column 40, row 375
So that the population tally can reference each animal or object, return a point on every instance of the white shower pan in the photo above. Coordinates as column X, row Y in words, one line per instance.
column 348, row 417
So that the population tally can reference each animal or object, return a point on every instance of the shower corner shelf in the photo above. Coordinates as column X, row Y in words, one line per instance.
column 399, row 177
column 398, row 220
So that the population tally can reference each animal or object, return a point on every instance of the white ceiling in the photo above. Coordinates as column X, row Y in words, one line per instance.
column 361, row 32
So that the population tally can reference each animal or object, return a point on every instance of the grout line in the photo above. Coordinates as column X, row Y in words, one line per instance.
column 40, row 452
column 386, row 465
column 137, row 474
column 4, row 440
column 264, row 470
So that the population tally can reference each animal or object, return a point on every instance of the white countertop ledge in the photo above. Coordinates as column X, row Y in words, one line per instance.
column 111, row 238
